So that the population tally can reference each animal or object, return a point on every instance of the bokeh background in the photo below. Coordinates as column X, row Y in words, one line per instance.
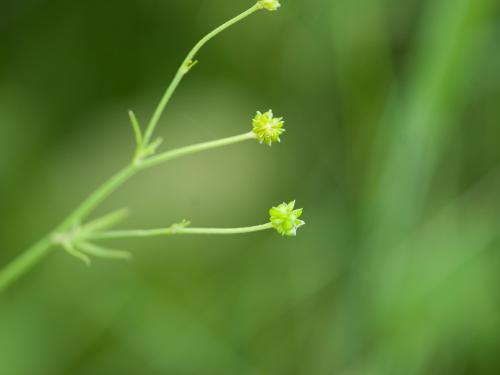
column 392, row 147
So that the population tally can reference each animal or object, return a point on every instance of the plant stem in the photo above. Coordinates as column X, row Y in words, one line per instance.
column 185, row 67
column 174, row 154
column 82, row 211
column 24, row 262
column 121, row 177
column 141, row 233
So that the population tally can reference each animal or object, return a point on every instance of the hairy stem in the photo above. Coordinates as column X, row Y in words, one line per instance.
column 142, row 233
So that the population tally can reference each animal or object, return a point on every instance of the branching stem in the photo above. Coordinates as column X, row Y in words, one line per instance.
column 33, row 255
column 199, row 147
column 186, row 66
column 143, row 159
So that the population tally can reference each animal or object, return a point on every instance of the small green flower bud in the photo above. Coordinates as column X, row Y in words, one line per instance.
column 267, row 128
column 285, row 219
column 269, row 4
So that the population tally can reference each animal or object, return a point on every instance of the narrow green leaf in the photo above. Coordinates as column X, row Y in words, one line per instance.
column 154, row 145
column 136, row 127
column 71, row 250
column 101, row 252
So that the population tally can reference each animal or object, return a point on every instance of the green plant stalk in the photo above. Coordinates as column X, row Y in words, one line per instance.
column 142, row 233
column 24, row 262
column 183, row 151
column 186, row 65
column 40, row 250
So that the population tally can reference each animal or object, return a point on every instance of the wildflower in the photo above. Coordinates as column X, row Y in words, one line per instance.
column 267, row 128
column 285, row 219
column 269, row 4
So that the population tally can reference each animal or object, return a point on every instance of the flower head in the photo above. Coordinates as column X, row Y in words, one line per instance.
column 269, row 4
column 285, row 219
column 267, row 128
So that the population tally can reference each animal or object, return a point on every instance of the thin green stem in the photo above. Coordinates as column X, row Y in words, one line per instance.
column 24, row 262
column 97, row 197
column 186, row 65
column 255, row 228
column 142, row 233
column 183, row 151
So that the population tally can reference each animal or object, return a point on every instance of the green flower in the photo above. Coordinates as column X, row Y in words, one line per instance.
column 285, row 219
column 267, row 128
column 269, row 4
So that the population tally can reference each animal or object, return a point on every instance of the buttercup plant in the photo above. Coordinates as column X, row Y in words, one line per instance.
column 269, row 4
column 285, row 219
column 267, row 128
column 77, row 237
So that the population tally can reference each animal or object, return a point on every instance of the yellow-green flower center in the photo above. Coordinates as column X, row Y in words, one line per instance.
column 285, row 219
column 267, row 128
column 269, row 4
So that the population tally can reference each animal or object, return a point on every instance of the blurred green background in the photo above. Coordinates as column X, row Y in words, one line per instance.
column 392, row 147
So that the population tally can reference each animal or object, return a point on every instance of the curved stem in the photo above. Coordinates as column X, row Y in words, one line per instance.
column 37, row 252
column 186, row 65
column 142, row 233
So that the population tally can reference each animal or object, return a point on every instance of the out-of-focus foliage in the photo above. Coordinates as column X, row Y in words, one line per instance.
column 392, row 147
